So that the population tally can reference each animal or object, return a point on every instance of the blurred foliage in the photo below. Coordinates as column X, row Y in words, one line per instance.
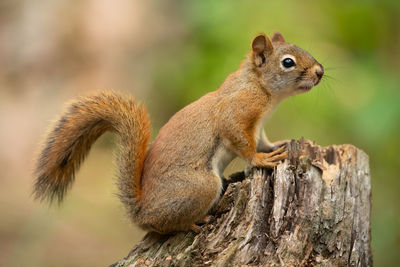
column 169, row 54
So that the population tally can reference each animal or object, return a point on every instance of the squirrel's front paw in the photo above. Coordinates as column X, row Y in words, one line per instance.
column 282, row 143
column 269, row 160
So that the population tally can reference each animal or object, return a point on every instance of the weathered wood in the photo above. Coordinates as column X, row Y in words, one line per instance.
column 312, row 210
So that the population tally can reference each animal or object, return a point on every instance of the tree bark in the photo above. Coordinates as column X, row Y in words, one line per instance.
column 313, row 209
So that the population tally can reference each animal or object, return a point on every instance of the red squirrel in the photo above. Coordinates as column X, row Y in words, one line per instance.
column 173, row 184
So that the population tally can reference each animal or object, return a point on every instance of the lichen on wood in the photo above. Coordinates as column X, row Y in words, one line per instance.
column 313, row 209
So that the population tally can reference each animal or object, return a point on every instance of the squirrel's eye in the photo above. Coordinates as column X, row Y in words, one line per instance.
column 288, row 62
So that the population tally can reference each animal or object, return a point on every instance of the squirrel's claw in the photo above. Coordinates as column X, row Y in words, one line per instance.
column 269, row 160
column 279, row 157
column 195, row 228
column 206, row 219
column 277, row 151
column 278, row 144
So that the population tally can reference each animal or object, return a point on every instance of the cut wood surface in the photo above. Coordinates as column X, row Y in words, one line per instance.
column 313, row 209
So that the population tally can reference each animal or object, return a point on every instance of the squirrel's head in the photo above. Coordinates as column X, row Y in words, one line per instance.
column 284, row 69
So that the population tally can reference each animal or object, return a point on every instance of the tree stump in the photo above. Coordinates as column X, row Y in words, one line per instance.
column 311, row 210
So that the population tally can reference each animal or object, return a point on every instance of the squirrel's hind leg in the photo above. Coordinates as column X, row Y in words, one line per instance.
column 189, row 201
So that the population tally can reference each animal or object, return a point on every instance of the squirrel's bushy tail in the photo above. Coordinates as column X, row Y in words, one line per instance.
column 78, row 128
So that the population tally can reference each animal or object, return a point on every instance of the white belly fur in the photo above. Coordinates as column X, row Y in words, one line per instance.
column 222, row 157
column 260, row 124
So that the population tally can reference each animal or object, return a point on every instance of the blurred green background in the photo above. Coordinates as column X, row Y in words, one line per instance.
column 168, row 54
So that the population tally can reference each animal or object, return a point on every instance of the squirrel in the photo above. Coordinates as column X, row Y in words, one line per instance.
column 172, row 185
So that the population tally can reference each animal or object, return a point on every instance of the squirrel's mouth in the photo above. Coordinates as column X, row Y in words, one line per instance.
column 307, row 85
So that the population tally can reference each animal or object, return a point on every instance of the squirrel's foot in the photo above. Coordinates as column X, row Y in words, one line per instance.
column 269, row 160
column 206, row 219
column 195, row 228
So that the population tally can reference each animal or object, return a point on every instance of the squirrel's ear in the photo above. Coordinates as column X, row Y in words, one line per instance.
column 261, row 47
column 278, row 38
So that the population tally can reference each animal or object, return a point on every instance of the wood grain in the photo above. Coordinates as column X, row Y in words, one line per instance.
column 311, row 210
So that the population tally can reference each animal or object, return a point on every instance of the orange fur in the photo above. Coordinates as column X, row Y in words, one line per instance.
column 78, row 128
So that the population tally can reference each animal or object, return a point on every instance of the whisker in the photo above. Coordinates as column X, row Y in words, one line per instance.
column 331, row 79
column 326, row 76
column 328, row 86
column 334, row 68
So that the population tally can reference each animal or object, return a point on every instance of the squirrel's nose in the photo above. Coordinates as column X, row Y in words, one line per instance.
column 319, row 71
